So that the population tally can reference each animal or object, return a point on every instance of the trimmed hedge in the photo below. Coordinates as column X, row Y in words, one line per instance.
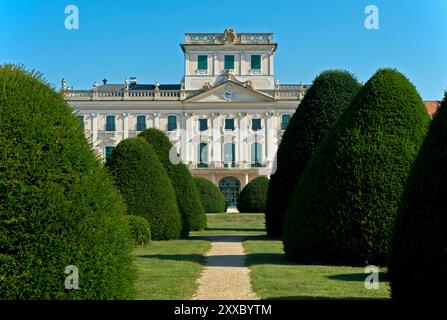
column 140, row 230
column 213, row 200
column 329, row 96
column 343, row 208
column 253, row 198
column 58, row 206
column 146, row 187
column 418, row 267
column 188, row 199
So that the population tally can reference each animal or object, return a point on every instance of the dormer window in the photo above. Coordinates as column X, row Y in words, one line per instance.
column 202, row 62
column 229, row 62
column 255, row 62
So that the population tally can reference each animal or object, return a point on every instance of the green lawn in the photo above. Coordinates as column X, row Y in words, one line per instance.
column 234, row 223
column 274, row 277
column 168, row 270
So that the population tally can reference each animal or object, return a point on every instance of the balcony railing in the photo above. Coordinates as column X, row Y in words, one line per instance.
column 228, row 165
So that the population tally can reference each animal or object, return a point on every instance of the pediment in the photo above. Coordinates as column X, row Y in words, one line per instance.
column 230, row 91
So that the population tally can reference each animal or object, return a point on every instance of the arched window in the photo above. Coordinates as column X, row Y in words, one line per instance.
column 229, row 154
column 285, row 119
column 172, row 123
column 256, row 154
column 202, row 155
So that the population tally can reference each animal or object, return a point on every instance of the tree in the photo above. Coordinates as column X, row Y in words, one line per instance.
column 330, row 94
column 58, row 206
column 146, row 187
column 253, row 197
column 188, row 199
column 418, row 266
column 140, row 229
column 343, row 208
column 212, row 198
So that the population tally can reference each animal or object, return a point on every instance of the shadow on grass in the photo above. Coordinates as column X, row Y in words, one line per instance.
column 356, row 277
column 197, row 258
column 236, row 229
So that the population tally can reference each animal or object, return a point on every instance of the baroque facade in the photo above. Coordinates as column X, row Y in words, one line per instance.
column 225, row 118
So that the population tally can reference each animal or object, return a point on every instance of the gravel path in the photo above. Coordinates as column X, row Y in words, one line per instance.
column 225, row 277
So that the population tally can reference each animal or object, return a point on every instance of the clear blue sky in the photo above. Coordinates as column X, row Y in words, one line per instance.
column 118, row 39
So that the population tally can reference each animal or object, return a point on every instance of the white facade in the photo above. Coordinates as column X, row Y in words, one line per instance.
column 231, row 84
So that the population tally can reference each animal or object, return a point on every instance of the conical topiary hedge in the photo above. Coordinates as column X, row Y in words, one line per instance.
column 330, row 94
column 58, row 206
column 343, row 208
column 188, row 199
column 253, row 198
column 146, row 187
column 418, row 266
column 213, row 200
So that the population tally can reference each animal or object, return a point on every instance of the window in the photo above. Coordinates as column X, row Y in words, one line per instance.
column 202, row 62
column 256, row 124
column 172, row 123
column 229, row 62
column 229, row 124
column 141, row 123
column 81, row 121
column 229, row 154
column 110, row 123
column 202, row 156
column 256, row 154
column 255, row 62
column 203, row 124
column 108, row 152
column 285, row 119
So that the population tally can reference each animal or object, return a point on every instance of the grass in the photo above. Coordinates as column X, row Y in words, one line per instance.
column 168, row 270
column 234, row 223
column 274, row 277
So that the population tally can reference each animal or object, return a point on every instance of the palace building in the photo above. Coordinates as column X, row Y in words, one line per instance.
column 225, row 118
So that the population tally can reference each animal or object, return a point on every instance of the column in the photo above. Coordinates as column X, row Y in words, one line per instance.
column 183, row 143
column 216, row 141
column 270, row 57
column 246, row 179
column 239, row 148
column 94, row 129
column 157, row 120
column 268, row 125
column 125, row 125
column 215, row 61
column 189, row 135
column 213, row 179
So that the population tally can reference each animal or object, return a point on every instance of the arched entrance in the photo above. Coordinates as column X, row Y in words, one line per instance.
column 230, row 187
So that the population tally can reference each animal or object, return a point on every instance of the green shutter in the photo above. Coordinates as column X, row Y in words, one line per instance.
column 141, row 123
column 202, row 62
column 255, row 62
column 172, row 123
column 81, row 121
column 285, row 121
column 256, row 124
column 203, row 124
column 110, row 123
column 229, row 62
column 229, row 124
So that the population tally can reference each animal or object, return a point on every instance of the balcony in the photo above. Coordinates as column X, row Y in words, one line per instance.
column 241, row 165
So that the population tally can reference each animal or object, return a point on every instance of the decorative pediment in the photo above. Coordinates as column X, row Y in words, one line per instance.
column 230, row 91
